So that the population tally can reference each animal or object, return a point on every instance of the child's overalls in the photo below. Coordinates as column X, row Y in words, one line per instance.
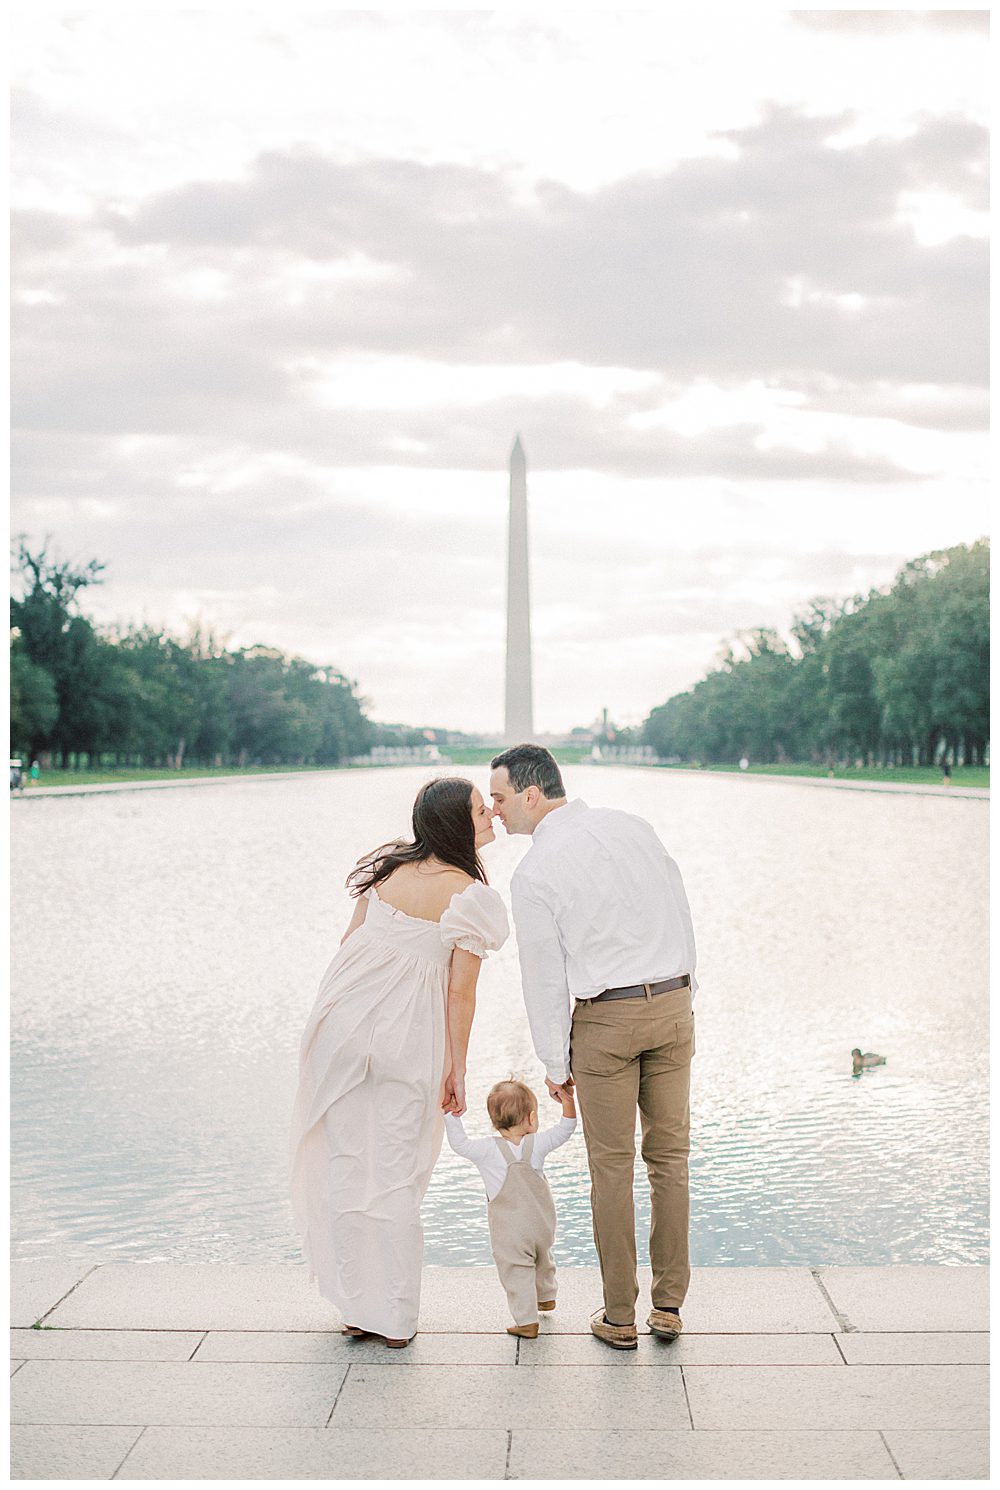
column 522, row 1220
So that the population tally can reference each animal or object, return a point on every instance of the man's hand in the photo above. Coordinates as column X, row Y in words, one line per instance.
column 560, row 1091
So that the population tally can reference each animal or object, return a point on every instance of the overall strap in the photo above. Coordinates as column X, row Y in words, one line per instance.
column 505, row 1150
column 527, row 1142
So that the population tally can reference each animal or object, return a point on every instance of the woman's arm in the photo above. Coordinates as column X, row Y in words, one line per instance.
column 360, row 911
column 465, row 968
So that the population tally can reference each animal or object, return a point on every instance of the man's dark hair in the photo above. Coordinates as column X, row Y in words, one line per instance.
column 531, row 765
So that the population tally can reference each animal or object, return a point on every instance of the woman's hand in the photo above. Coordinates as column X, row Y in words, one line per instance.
column 454, row 1092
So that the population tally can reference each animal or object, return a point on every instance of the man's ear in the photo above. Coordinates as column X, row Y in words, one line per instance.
column 531, row 796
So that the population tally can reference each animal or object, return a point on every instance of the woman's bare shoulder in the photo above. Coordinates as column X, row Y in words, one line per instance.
column 452, row 875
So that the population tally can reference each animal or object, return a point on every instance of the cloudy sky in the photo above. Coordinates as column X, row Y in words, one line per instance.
column 288, row 282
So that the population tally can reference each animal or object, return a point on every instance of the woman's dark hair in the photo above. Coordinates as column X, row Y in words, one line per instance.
column 442, row 827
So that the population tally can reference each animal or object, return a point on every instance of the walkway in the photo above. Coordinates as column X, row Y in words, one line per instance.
column 216, row 1371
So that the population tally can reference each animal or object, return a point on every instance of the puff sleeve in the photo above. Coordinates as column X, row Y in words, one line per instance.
column 476, row 921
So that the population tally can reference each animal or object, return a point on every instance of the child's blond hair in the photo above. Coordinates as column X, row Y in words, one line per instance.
column 510, row 1103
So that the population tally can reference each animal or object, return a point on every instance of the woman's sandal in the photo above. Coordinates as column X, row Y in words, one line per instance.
column 356, row 1334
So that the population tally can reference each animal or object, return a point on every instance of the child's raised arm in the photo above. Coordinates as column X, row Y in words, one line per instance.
column 469, row 1148
column 553, row 1137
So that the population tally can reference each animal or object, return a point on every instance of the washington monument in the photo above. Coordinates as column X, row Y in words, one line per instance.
column 518, row 717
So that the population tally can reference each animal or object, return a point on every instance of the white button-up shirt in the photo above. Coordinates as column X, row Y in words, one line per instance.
column 598, row 903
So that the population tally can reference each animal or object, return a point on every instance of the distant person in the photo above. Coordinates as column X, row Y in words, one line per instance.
column 35, row 772
column 519, row 1204
column 16, row 776
column 384, row 1052
column 947, row 772
column 607, row 965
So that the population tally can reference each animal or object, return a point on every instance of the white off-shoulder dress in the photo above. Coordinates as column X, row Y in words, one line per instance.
column 367, row 1123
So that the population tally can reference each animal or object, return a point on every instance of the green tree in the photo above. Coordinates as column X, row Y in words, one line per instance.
column 56, row 639
column 34, row 704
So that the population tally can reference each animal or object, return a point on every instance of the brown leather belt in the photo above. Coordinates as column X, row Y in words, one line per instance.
column 642, row 990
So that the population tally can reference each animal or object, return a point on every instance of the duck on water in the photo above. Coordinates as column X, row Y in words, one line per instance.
column 863, row 1061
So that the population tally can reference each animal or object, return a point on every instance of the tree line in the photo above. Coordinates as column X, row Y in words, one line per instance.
column 139, row 697
column 898, row 676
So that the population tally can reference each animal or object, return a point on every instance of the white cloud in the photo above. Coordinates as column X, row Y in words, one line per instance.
column 286, row 288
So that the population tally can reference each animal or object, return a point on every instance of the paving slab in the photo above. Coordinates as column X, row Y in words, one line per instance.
column 597, row 1454
column 510, row 1396
column 316, row 1454
column 837, row 1397
column 425, row 1350
column 234, row 1296
column 35, row 1287
column 911, row 1297
column 954, row 1455
column 105, row 1345
column 721, row 1300
column 63, row 1453
column 196, row 1296
column 15, row 1365
column 689, row 1350
column 971, row 1349
column 172, row 1394
column 755, row 1301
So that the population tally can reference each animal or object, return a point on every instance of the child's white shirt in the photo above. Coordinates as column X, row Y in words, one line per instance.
column 487, row 1157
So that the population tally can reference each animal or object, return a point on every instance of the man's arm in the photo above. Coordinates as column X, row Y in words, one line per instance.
column 543, row 979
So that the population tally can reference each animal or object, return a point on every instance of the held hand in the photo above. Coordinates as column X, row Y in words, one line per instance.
column 454, row 1093
column 562, row 1091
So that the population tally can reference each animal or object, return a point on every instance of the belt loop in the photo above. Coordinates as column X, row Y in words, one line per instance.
column 648, row 990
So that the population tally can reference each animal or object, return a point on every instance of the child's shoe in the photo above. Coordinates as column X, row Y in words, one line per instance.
column 548, row 1304
column 525, row 1331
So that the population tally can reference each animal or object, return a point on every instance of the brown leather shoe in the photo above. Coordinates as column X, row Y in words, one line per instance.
column 394, row 1344
column 618, row 1336
column 667, row 1326
column 525, row 1331
column 548, row 1304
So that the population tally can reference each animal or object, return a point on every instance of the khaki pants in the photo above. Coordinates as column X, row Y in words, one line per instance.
column 627, row 1054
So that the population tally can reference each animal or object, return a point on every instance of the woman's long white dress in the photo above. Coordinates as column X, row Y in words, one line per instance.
column 367, row 1124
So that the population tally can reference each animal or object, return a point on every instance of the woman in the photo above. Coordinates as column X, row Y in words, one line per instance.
column 383, row 1054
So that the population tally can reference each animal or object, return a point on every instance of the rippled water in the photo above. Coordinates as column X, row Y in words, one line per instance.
column 167, row 946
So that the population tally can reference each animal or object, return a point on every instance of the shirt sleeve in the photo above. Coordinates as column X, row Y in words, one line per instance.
column 544, row 983
column 475, row 1149
column 554, row 1137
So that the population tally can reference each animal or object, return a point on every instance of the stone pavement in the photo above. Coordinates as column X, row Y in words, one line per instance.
column 222, row 1371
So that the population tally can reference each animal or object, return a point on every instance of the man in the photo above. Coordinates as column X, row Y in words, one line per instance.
column 607, row 965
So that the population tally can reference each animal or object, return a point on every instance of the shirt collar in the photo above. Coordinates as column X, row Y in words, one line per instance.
column 562, row 814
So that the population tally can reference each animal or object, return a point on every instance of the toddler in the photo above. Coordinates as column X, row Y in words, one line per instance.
column 520, row 1210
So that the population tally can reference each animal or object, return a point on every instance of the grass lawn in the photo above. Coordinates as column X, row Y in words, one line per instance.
column 904, row 775
column 475, row 755
column 105, row 778
column 481, row 755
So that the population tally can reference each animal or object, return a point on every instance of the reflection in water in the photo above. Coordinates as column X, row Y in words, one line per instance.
column 167, row 947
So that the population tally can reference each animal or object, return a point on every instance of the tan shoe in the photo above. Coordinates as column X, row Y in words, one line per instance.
column 525, row 1331
column 548, row 1304
column 667, row 1326
column 618, row 1336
